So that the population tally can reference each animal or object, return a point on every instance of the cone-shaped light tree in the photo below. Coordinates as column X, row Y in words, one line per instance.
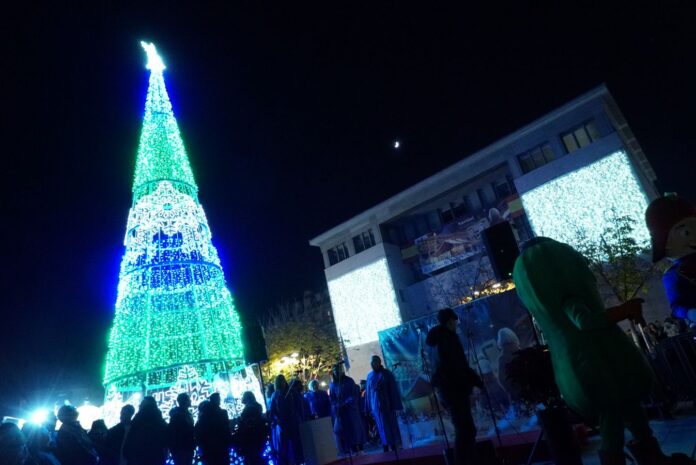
column 173, row 310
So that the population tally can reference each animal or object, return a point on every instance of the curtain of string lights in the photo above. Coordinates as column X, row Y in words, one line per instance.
column 584, row 201
column 174, row 313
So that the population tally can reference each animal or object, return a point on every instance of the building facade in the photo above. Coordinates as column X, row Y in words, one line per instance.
column 564, row 175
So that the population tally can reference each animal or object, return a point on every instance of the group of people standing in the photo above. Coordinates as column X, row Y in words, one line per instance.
column 142, row 438
column 345, row 403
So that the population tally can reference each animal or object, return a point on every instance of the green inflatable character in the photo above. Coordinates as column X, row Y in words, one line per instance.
column 599, row 370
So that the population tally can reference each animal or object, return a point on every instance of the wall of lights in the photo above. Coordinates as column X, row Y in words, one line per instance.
column 173, row 307
column 583, row 200
column 364, row 302
column 199, row 387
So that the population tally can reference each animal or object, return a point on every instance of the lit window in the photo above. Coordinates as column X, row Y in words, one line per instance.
column 580, row 137
column 536, row 157
column 338, row 253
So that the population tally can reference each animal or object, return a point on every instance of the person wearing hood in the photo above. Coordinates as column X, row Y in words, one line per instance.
column 146, row 443
column 599, row 370
column 454, row 380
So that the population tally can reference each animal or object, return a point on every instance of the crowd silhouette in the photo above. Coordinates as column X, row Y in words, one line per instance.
column 142, row 438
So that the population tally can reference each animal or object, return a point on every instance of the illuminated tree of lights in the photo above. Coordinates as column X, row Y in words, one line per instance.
column 173, row 308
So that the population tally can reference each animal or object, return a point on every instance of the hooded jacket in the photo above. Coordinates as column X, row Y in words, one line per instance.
column 451, row 372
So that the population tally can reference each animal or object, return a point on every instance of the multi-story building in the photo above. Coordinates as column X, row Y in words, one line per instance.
column 562, row 175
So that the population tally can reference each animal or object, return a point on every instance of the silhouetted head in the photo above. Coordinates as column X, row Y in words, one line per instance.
column 148, row 403
column 99, row 427
column 13, row 449
column 448, row 318
column 281, row 383
column 314, row 385
column 248, row 398
column 68, row 414
column 127, row 412
column 337, row 372
column 215, row 400
column 376, row 363
column 203, row 407
column 183, row 400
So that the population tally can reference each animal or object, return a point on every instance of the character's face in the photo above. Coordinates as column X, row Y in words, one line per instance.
column 681, row 240
column 376, row 363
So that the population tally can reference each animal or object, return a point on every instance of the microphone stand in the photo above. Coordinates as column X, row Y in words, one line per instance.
column 274, row 452
column 472, row 350
column 426, row 370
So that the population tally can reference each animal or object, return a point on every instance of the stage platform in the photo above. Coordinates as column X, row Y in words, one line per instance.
column 675, row 435
column 512, row 448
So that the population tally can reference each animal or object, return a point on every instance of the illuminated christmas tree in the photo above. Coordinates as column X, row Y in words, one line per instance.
column 174, row 313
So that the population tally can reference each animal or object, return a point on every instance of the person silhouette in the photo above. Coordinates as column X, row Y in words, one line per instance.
column 181, row 439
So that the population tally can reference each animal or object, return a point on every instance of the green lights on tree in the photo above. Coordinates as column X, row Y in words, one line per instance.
column 173, row 307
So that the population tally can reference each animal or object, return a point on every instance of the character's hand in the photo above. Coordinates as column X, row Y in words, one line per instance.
column 634, row 309
column 630, row 310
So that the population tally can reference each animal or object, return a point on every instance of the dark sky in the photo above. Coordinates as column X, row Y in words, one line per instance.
column 288, row 116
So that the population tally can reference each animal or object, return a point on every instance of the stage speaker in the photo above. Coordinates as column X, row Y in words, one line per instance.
column 501, row 247
column 254, row 344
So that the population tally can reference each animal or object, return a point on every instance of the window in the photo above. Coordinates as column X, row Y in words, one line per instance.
column 536, row 157
column 396, row 235
column 473, row 203
column 502, row 188
column 338, row 253
column 363, row 241
column 580, row 136
column 487, row 196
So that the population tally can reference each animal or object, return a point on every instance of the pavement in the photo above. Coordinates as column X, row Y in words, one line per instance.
column 676, row 435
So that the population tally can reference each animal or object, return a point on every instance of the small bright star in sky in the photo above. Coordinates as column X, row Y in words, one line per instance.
column 397, row 144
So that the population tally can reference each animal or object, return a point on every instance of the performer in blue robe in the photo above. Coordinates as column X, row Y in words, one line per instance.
column 318, row 399
column 285, row 414
column 345, row 407
column 383, row 400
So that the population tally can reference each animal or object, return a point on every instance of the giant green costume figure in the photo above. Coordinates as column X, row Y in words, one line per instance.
column 599, row 370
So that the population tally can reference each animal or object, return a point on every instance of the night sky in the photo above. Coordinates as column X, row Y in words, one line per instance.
column 288, row 116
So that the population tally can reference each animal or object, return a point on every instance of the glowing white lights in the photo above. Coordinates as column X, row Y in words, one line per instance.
column 397, row 144
column 173, row 307
column 364, row 302
column 154, row 61
column 88, row 414
column 584, row 200
column 230, row 386
column 39, row 416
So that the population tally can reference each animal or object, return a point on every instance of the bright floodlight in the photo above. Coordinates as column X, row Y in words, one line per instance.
column 154, row 61
column 39, row 416
column 397, row 144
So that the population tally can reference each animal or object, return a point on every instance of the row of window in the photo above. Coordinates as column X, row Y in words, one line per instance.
column 573, row 140
column 362, row 241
